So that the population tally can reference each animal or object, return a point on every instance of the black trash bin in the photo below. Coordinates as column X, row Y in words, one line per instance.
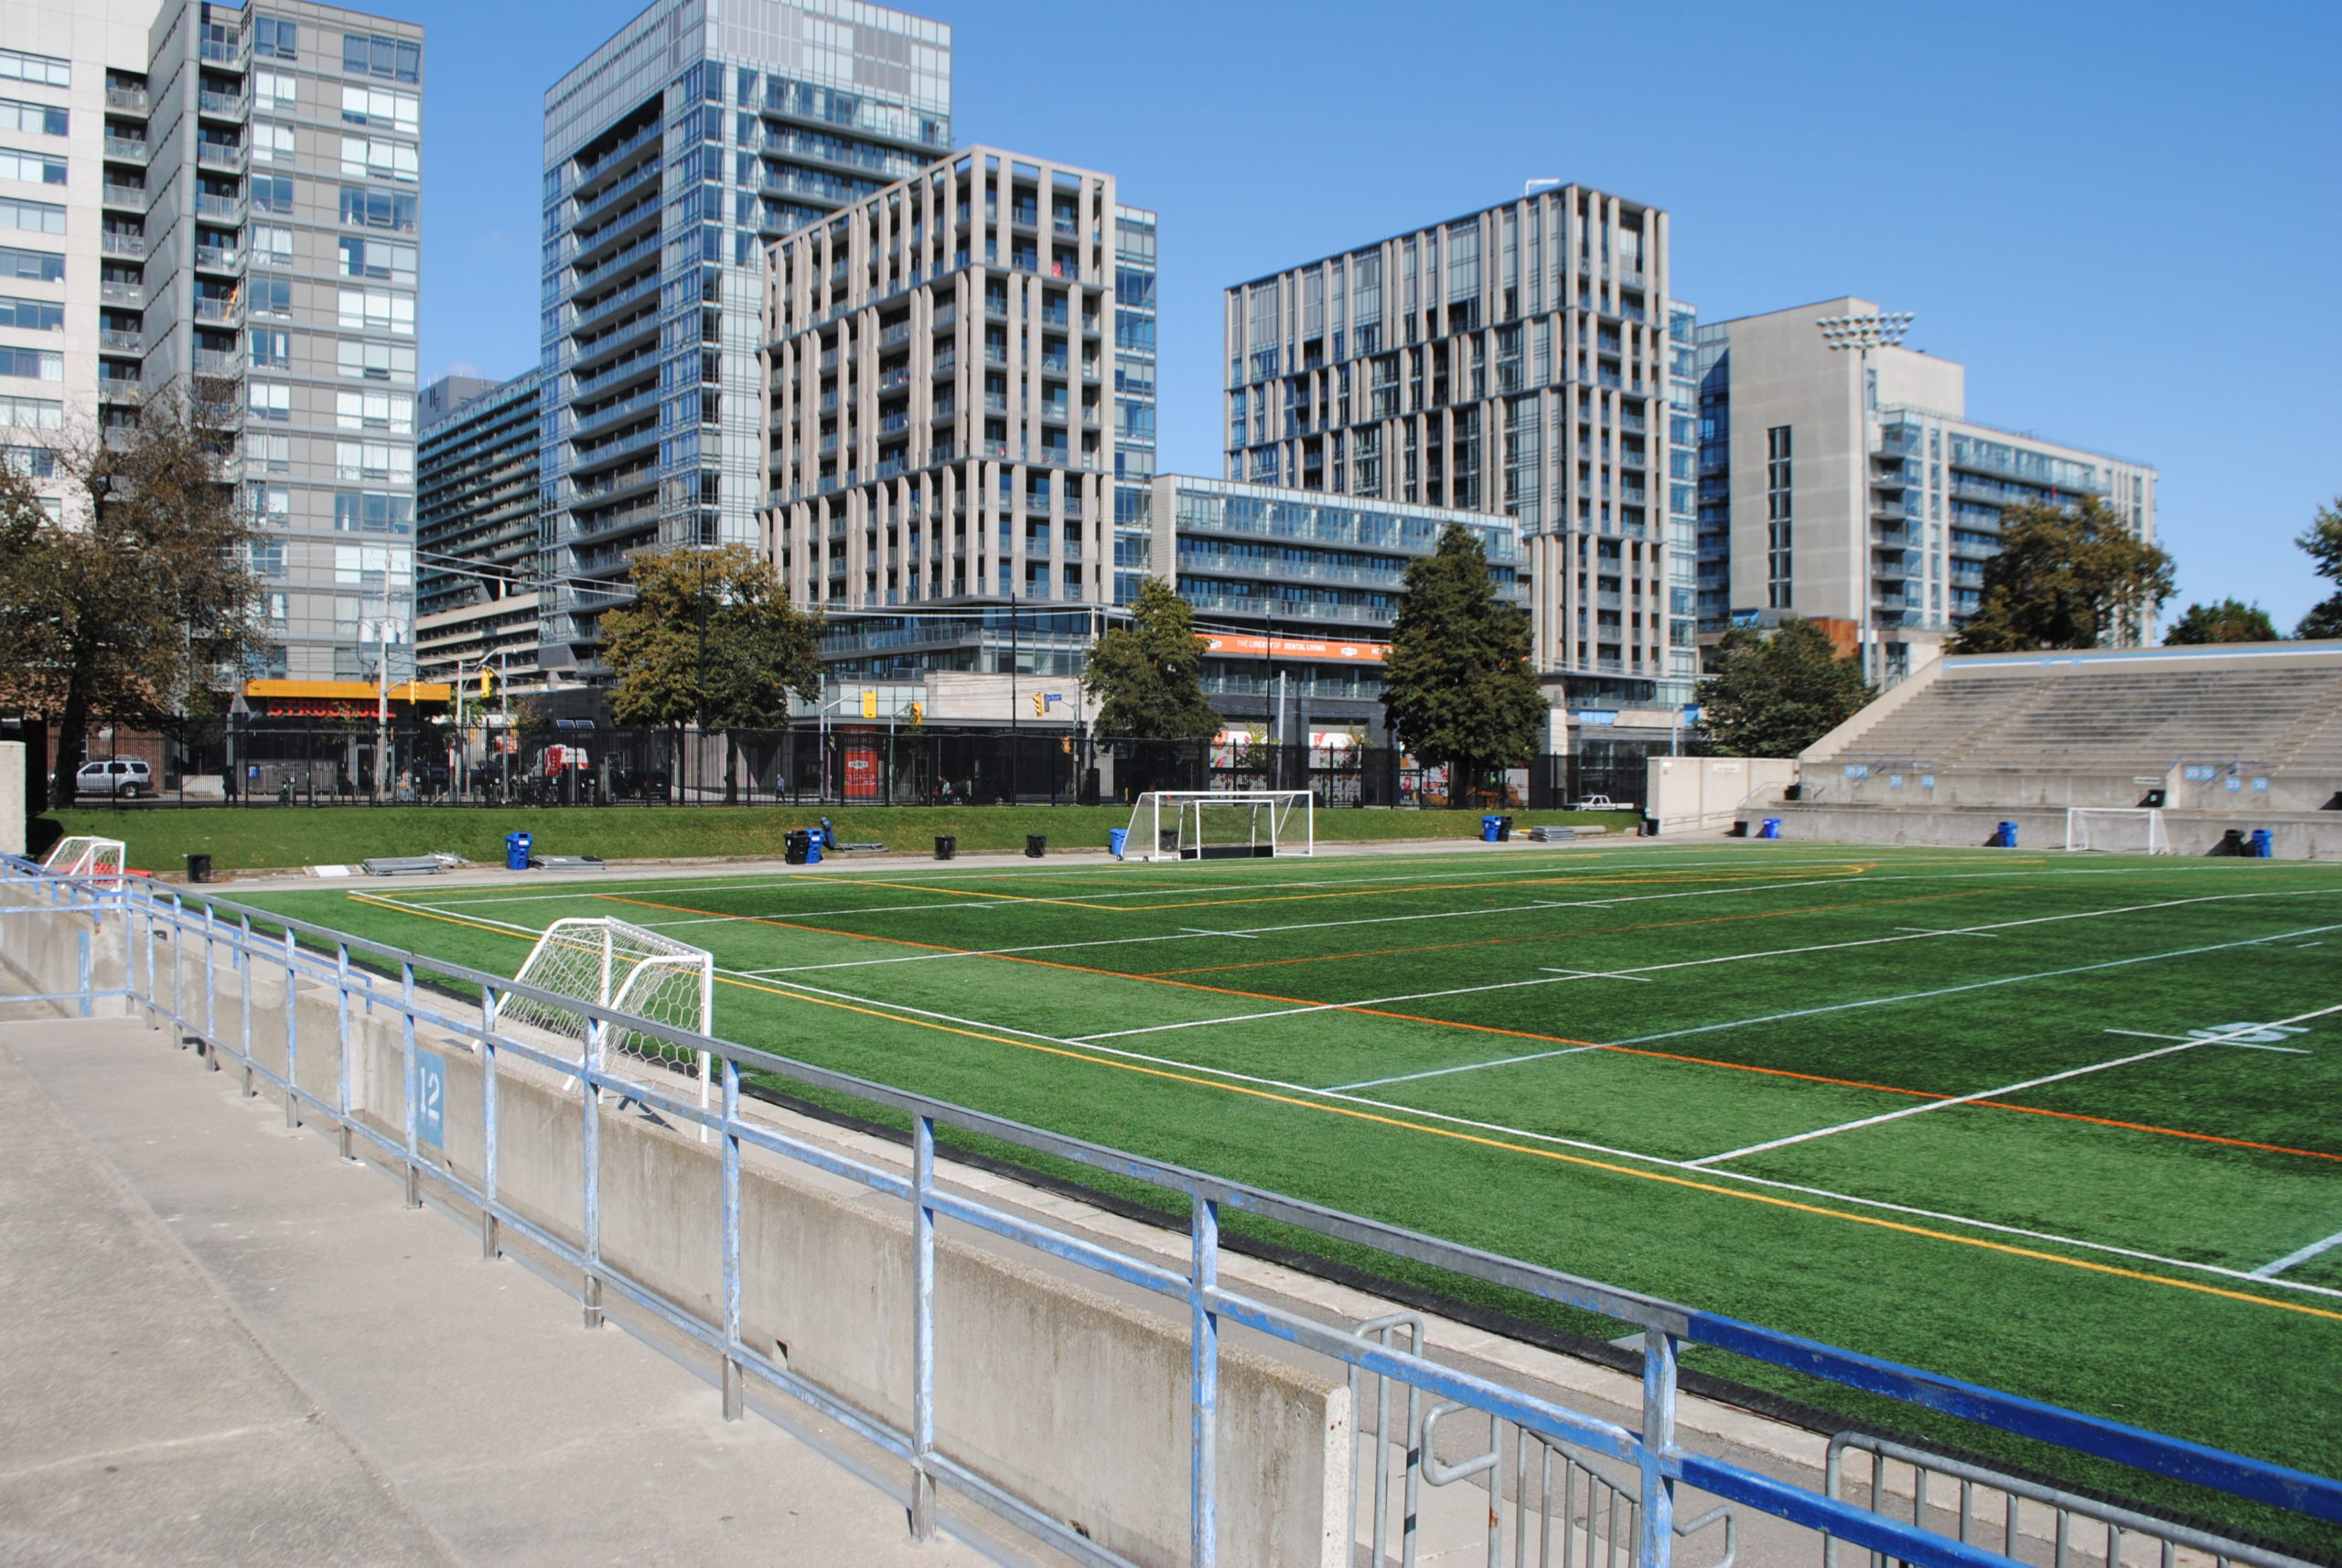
column 1035, row 845
column 947, row 845
column 796, row 845
column 1504, row 830
column 199, row 868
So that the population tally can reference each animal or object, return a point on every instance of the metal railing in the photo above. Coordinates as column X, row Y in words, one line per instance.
column 1601, row 1511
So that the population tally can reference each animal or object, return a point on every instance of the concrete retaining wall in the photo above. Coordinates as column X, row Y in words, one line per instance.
column 1991, row 789
column 1067, row 1396
column 42, row 951
column 12, row 796
column 2296, row 835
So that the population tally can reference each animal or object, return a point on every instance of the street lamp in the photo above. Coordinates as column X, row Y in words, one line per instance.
column 1859, row 334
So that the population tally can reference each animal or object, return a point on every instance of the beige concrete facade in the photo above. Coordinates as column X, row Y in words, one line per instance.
column 1859, row 489
column 938, row 359
column 1515, row 359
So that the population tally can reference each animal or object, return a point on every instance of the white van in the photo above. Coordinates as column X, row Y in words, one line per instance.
column 123, row 776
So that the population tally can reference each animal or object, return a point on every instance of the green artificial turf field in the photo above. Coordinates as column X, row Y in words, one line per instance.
column 2061, row 1124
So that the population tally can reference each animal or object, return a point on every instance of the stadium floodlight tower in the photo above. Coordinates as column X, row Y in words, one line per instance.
column 1859, row 334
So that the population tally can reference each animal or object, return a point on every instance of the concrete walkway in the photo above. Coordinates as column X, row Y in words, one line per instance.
column 219, row 1343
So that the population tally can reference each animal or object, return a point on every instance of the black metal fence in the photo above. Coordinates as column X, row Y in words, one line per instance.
column 581, row 762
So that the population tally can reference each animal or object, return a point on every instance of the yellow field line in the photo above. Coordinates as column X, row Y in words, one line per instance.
column 1461, row 1137
column 953, row 892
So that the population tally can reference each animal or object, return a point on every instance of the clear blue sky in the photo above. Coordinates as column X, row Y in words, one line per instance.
column 2123, row 218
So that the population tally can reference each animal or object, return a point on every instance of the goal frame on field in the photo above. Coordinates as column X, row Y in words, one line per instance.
column 86, row 856
column 1268, row 829
column 629, row 970
column 2078, row 834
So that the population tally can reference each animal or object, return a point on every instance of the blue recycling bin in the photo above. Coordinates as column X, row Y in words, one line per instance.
column 1771, row 828
column 2005, row 836
column 516, row 851
column 2263, row 845
column 1115, row 839
column 1489, row 828
column 813, row 848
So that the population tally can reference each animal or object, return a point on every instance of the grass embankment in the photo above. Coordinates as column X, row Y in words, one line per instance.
column 274, row 837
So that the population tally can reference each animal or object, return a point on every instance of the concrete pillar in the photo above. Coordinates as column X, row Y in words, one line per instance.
column 12, row 792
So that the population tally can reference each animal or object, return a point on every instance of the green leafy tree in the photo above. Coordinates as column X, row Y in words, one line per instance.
column 711, row 638
column 2323, row 539
column 2226, row 621
column 1459, row 688
column 2066, row 577
column 1149, row 676
column 1773, row 693
column 138, row 595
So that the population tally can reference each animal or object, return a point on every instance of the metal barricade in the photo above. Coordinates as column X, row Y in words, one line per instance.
column 1618, row 1485
column 1971, row 1503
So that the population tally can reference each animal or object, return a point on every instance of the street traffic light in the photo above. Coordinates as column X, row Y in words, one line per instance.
column 918, row 712
column 1040, row 706
column 869, row 704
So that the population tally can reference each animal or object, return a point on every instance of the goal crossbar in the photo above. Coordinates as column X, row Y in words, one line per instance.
column 1222, row 825
column 80, row 855
column 2128, row 830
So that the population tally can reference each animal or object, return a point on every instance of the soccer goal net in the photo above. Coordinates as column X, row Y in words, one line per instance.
column 85, row 857
column 626, row 969
column 1222, row 825
column 2128, row 830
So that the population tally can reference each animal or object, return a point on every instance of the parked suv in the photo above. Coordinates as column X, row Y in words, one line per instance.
column 124, row 776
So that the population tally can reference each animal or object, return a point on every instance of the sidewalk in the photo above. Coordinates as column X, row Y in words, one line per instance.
column 219, row 1343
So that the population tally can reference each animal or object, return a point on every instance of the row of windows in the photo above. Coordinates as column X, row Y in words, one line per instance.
column 31, row 314
column 32, row 364
column 34, row 168
column 16, row 65
column 38, row 266
column 32, row 119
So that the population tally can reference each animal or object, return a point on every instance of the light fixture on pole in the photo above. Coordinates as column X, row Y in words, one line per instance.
column 1859, row 334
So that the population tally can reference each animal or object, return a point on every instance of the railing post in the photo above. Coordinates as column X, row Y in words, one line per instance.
column 292, row 1031
column 244, row 996
column 1658, row 1459
column 489, row 1248
column 406, row 1049
column 150, row 959
column 178, row 969
column 590, row 1290
column 1203, row 1371
column 85, row 969
column 735, row 1390
column 341, row 1099
column 922, row 1327
column 210, row 987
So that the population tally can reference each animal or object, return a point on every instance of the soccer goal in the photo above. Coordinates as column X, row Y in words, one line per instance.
column 2127, row 830
column 626, row 969
column 1222, row 825
column 85, row 857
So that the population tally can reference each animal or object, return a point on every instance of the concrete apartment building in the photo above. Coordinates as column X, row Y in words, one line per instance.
column 962, row 415
column 195, row 192
column 1853, row 490
column 1294, row 592
column 1517, row 360
column 675, row 154
column 477, row 595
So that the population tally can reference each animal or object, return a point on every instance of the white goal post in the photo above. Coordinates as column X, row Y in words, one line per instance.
column 2126, row 830
column 626, row 969
column 1222, row 825
column 80, row 856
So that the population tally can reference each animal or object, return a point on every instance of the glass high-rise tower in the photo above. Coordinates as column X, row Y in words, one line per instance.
column 675, row 154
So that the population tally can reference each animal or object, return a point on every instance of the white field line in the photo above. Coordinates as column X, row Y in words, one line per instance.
column 1686, row 963
column 2265, row 1275
column 1182, row 1065
column 2298, row 1256
column 1831, row 1007
column 1596, row 974
column 2233, row 1045
column 2006, row 1089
